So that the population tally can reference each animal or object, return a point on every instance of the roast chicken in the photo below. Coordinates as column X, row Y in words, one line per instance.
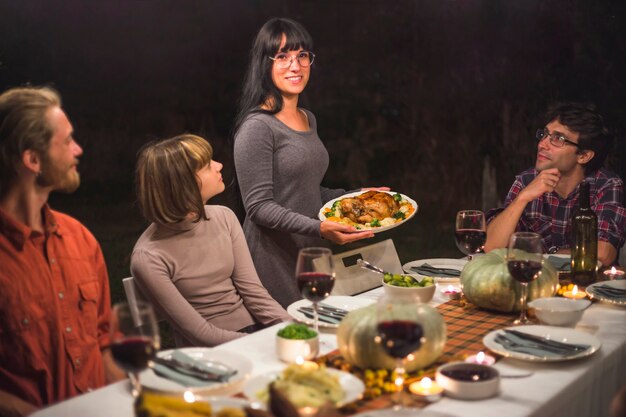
column 369, row 206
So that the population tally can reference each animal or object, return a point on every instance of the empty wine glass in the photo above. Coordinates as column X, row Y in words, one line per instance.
column 134, row 339
column 470, row 232
column 315, row 274
column 524, row 261
column 400, row 334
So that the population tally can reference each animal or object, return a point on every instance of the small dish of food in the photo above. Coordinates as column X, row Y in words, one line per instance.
column 411, row 285
column 371, row 210
column 297, row 341
column 468, row 381
column 307, row 386
column 558, row 311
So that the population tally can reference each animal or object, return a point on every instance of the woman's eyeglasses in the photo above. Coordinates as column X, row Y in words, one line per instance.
column 283, row 60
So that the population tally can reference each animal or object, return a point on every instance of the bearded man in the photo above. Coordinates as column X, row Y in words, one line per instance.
column 54, row 287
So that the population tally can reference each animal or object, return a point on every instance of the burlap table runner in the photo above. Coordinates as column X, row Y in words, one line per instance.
column 466, row 326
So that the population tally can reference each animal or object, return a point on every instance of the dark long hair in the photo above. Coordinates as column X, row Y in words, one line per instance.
column 258, row 87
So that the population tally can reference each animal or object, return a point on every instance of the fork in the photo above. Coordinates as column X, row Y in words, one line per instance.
column 530, row 348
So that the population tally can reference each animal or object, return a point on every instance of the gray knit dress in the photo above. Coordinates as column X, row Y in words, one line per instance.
column 280, row 171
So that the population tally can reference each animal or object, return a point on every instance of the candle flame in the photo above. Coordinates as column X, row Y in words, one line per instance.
column 426, row 383
column 613, row 270
column 189, row 397
column 480, row 357
column 299, row 360
column 450, row 288
column 575, row 290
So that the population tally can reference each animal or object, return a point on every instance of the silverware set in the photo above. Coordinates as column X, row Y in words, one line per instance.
column 536, row 345
column 608, row 291
column 426, row 269
column 325, row 312
column 218, row 372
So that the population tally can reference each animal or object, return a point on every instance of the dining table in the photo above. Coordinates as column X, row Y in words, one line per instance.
column 577, row 388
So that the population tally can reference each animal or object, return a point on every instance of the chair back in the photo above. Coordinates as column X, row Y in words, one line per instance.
column 131, row 298
column 351, row 279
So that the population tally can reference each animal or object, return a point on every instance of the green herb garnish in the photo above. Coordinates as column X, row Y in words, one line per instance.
column 297, row 331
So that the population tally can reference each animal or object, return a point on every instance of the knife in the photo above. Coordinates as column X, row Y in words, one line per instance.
column 320, row 316
column 426, row 269
column 328, row 313
column 530, row 348
column 609, row 290
column 548, row 342
column 191, row 370
column 331, row 308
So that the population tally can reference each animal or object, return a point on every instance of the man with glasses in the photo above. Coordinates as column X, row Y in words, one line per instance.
column 571, row 149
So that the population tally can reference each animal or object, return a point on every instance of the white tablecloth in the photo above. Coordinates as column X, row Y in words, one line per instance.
column 581, row 388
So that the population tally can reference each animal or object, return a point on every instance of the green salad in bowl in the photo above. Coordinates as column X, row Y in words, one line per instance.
column 296, row 342
column 419, row 287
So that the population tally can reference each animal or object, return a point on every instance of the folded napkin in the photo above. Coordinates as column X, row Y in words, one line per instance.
column 178, row 374
column 429, row 270
column 560, row 263
column 609, row 292
column 534, row 345
column 533, row 350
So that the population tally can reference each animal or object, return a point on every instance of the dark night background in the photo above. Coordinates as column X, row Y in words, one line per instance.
column 437, row 99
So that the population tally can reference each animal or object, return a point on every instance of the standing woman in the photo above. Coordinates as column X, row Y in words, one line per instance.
column 280, row 161
column 192, row 262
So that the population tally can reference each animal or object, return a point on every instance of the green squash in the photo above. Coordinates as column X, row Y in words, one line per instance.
column 486, row 282
column 356, row 333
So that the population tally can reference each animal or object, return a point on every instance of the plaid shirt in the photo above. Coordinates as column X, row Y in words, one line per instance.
column 549, row 215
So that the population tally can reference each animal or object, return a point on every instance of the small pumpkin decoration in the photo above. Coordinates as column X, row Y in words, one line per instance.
column 486, row 282
column 356, row 333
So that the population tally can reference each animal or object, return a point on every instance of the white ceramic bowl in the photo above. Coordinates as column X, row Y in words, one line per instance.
column 423, row 294
column 288, row 350
column 468, row 381
column 558, row 311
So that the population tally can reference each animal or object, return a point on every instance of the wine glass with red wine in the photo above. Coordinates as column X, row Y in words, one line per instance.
column 315, row 274
column 524, row 261
column 134, row 339
column 470, row 232
column 400, row 334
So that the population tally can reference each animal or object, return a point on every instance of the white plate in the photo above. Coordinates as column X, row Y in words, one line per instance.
column 151, row 380
column 437, row 263
column 329, row 204
column 559, row 334
column 615, row 284
column 340, row 301
column 352, row 386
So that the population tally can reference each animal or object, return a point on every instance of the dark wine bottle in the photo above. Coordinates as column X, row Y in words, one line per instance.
column 584, row 240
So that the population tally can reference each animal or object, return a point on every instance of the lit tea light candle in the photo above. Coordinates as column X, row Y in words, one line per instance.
column 189, row 397
column 452, row 293
column 481, row 358
column 308, row 365
column 426, row 389
column 613, row 273
column 574, row 294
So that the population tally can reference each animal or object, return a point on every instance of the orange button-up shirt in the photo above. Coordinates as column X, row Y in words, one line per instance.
column 54, row 309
